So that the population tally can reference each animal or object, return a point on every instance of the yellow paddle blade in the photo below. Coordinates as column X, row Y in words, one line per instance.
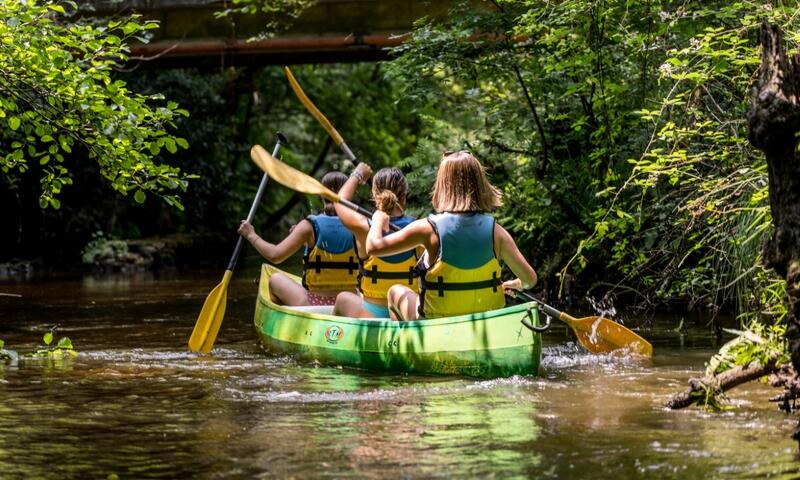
column 312, row 109
column 205, row 330
column 288, row 176
column 601, row 335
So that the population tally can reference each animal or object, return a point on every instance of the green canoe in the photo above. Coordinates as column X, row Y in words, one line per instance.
column 486, row 345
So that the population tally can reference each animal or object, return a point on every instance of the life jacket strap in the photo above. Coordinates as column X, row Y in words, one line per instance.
column 374, row 274
column 350, row 265
column 441, row 286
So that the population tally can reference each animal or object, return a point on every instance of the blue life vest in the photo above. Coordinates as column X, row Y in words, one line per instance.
column 332, row 263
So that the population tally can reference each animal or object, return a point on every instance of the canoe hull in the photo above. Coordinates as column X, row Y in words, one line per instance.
column 486, row 345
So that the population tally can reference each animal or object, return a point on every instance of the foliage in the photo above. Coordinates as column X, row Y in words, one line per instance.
column 279, row 12
column 541, row 93
column 617, row 131
column 691, row 218
column 103, row 247
column 760, row 344
column 48, row 351
column 60, row 103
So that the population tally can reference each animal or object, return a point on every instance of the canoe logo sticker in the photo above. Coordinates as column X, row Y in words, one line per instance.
column 334, row 333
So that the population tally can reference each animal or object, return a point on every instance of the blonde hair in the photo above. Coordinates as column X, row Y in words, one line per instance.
column 461, row 186
column 389, row 189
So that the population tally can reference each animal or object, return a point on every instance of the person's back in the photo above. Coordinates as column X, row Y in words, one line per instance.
column 378, row 274
column 331, row 263
column 465, row 277
column 329, row 260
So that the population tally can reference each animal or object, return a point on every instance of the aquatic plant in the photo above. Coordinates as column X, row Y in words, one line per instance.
column 59, row 350
column 62, row 349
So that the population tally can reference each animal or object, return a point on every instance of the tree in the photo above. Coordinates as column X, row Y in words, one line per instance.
column 60, row 104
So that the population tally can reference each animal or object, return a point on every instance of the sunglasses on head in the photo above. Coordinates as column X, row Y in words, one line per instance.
column 447, row 153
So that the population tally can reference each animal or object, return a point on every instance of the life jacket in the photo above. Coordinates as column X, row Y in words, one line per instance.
column 376, row 275
column 332, row 263
column 465, row 277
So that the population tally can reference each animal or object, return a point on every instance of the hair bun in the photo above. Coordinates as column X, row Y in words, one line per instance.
column 386, row 201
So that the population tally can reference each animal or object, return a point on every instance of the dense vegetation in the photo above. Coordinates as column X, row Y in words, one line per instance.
column 616, row 130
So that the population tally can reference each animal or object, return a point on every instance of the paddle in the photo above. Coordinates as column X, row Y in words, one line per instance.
column 299, row 181
column 597, row 334
column 314, row 111
column 210, row 319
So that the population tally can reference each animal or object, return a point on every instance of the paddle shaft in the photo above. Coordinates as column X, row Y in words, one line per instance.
column 316, row 113
column 260, row 193
column 364, row 211
column 547, row 308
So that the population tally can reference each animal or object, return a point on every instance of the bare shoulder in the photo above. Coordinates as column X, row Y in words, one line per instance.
column 303, row 229
column 501, row 234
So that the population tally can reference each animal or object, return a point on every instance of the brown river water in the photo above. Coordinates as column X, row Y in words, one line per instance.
column 135, row 403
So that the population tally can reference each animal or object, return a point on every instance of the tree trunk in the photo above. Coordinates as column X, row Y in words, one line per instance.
column 720, row 383
column 774, row 121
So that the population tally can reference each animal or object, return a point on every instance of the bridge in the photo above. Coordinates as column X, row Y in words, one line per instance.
column 192, row 35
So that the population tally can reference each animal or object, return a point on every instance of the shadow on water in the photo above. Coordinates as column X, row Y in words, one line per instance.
column 136, row 403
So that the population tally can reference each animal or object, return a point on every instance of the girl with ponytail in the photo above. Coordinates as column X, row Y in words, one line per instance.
column 376, row 275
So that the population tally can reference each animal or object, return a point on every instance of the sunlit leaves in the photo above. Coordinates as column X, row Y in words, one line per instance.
column 61, row 102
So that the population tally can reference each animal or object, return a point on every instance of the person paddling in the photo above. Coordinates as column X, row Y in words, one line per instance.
column 329, row 261
column 376, row 275
column 459, row 272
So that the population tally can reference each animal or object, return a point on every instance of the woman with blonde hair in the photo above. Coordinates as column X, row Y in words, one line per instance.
column 460, row 271
column 376, row 275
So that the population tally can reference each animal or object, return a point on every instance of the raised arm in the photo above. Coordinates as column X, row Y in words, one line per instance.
column 507, row 251
column 354, row 221
column 301, row 234
column 418, row 232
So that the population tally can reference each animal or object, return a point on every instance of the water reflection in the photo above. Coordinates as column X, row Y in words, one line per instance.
column 135, row 403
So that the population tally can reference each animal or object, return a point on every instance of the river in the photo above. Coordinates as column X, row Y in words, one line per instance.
column 135, row 403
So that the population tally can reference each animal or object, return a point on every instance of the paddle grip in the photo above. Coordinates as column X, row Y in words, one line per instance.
column 260, row 193
column 363, row 211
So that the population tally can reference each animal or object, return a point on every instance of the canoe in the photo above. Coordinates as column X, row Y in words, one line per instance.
column 485, row 345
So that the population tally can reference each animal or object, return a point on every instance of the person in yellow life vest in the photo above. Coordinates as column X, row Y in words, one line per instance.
column 460, row 271
column 329, row 262
column 376, row 274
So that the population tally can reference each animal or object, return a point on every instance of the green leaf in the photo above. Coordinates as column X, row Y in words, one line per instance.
column 139, row 196
column 2, row 344
column 55, row 203
column 48, row 338
column 182, row 142
column 170, row 144
column 65, row 343
column 14, row 123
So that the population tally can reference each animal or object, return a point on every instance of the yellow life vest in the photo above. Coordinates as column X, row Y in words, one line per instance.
column 331, row 264
column 376, row 275
column 465, row 278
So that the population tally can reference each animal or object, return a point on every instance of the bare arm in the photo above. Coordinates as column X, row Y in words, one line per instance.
column 301, row 234
column 508, row 252
column 354, row 221
column 416, row 233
